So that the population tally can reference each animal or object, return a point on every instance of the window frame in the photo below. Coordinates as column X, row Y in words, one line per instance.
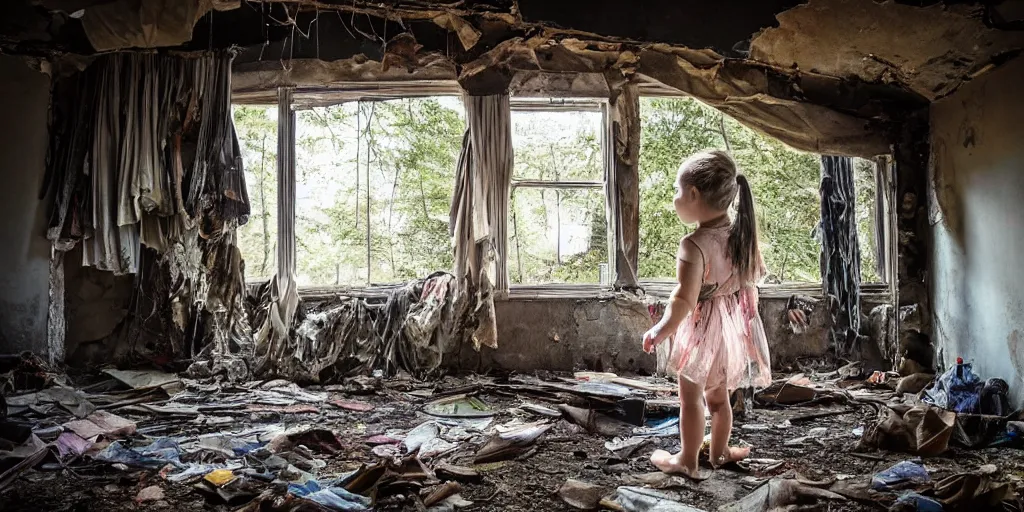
column 289, row 100
column 606, row 184
column 885, row 233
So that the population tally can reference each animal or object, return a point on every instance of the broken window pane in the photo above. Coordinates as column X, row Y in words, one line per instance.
column 256, row 126
column 557, row 235
column 395, row 229
column 556, row 145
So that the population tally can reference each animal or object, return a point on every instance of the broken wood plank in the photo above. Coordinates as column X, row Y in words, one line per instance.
column 818, row 415
column 643, row 386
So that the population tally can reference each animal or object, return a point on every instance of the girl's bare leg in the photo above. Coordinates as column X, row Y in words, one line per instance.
column 691, row 433
column 721, row 428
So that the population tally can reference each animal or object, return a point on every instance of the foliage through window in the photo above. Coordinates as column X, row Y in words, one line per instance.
column 373, row 185
column 256, row 126
column 558, row 228
column 784, row 181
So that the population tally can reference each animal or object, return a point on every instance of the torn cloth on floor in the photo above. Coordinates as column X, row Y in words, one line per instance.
column 411, row 329
column 922, row 430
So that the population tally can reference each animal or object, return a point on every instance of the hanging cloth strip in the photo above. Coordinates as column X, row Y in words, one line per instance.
column 840, row 259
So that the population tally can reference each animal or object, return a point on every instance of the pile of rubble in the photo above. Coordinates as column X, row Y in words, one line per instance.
column 514, row 442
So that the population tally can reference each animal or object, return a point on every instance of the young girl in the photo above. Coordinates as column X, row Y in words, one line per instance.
column 717, row 341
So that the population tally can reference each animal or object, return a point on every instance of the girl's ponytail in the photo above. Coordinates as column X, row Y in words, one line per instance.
column 743, row 236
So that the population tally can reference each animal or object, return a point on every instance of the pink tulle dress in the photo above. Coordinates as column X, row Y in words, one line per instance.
column 722, row 342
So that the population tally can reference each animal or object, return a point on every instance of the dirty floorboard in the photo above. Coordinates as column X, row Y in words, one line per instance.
column 371, row 417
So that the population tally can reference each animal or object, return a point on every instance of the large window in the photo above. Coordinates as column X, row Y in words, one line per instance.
column 558, row 227
column 256, row 126
column 374, row 182
column 785, row 183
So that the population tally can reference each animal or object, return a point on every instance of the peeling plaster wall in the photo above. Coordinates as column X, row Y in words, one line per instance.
column 604, row 335
column 25, row 252
column 96, row 304
column 977, row 185
column 568, row 334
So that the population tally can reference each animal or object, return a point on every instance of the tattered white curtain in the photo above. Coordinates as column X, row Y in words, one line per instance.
column 480, row 208
column 273, row 340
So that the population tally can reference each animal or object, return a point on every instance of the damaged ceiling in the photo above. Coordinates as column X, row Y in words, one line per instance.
column 830, row 76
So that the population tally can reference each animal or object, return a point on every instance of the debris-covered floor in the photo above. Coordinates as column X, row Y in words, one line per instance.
column 147, row 440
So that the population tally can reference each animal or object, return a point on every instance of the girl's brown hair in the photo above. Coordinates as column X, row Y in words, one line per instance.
column 714, row 175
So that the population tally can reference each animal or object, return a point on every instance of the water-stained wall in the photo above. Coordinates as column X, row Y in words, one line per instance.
column 977, row 218
column 24, row 251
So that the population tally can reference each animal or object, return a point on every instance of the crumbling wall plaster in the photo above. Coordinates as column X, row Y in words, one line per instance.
column 977, row 226
column 25, row 252
column 604, row 335
column 567, row 334
column 96, row 304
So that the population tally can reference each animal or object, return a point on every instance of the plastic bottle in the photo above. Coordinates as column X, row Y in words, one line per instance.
column 960, row 368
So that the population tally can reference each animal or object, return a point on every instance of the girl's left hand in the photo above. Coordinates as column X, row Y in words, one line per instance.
column 653, row 338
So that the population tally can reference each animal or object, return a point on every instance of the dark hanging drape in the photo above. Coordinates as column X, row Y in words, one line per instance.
column 145, row 174
column 840, row 250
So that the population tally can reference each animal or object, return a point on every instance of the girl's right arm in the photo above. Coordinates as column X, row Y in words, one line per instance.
column 689, row 277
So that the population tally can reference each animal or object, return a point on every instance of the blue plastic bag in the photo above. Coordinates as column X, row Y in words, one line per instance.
column 920, row 503
column 902, row 473
column 156, row 455
column 957, row 390
column 334, row 498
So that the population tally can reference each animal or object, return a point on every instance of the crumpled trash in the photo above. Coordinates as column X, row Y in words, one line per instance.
column 71, row 444
column 458, row 406
column 101, row 423
column 625, row 447
column 956, row 390
column 914, row 502
column 74, row 401
column 441, row 493
column 780, row 494
column 914, row 383
column 640, row 499
column 420, row 435
column 794, row 390
column 228, row 445
column 977, row 490
column 451, row 504
column 151, row 493
column 978, row 430
column 581, row 495
column 993, row 398
column 899, row 476
column 921, row 430
column 594, row 421
column 318, row 439
column 332, row 497
column 156, row 455
column 148, row 379
column 11, row 474
column 509, row 445
column 353, row 405
column 668, row 427
column 220, row 477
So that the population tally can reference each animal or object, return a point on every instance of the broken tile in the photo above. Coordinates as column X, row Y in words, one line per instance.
column 581, row 495
column 151, row 493
column 353, row 405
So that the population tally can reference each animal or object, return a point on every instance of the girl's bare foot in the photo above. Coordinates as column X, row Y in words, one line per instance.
column 673, row 465
column 732, row 454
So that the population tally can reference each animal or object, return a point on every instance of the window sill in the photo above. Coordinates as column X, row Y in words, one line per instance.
column 662, row 289
column 658, row 289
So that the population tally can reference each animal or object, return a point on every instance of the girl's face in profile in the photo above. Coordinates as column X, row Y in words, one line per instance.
column 686, row 203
